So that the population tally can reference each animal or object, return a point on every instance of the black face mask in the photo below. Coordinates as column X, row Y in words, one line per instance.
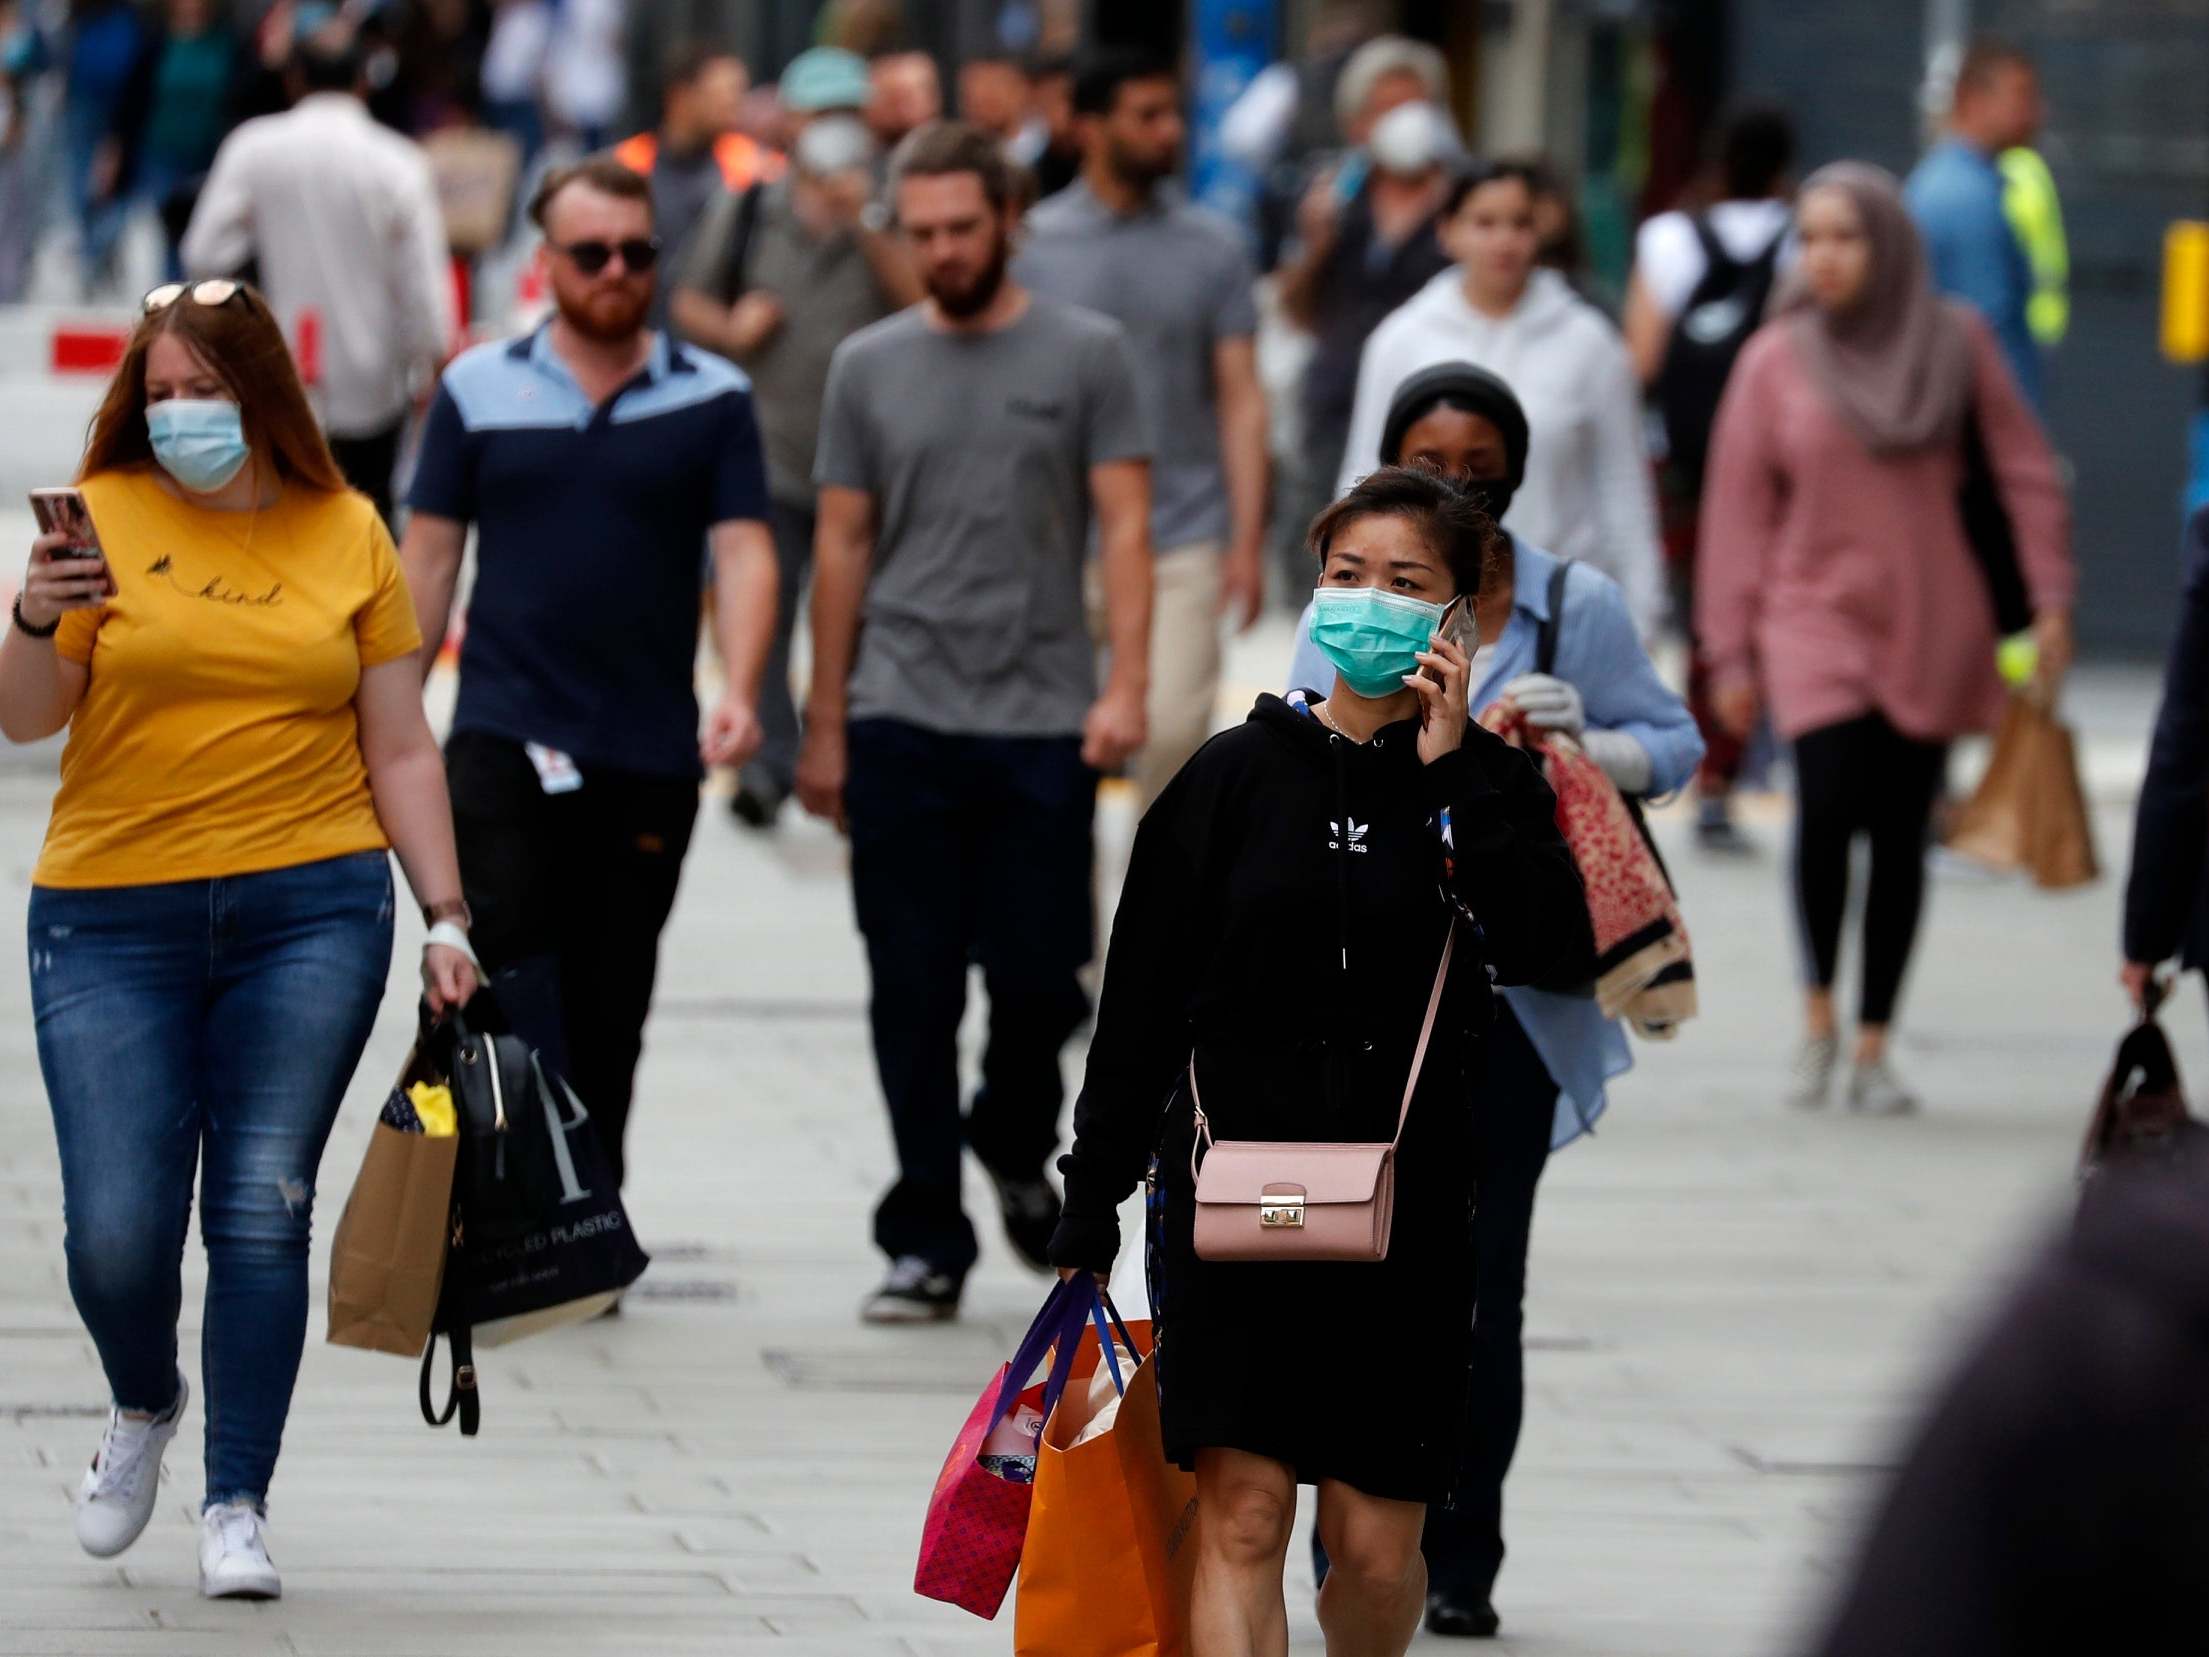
column 1492, row 494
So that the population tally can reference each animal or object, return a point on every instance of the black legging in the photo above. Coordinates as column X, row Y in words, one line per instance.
column 1864, row 777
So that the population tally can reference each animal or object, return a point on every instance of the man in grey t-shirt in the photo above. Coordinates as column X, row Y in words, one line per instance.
column 1123, row 241
column 954, row 726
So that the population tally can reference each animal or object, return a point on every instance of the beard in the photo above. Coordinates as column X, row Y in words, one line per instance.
column 606, row 314
column 973, row 298
column 1143, row 172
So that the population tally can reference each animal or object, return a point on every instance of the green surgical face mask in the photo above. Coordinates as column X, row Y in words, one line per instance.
column 1372, row 637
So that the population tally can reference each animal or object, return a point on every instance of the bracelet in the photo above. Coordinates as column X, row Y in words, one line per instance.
column 452, row 935
column 448, row 909
column 25, row 628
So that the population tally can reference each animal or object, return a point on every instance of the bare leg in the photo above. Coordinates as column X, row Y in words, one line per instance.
column 1376, row 1576
column 1871, row 1043
column 1246, row 1506
column 1817, row 1014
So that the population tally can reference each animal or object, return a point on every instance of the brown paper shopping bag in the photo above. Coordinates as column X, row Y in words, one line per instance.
column 389, row 1254
column 1111, row 1545
column 2029, row 810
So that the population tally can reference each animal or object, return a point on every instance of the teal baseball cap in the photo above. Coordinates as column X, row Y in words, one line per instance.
column 824, row 77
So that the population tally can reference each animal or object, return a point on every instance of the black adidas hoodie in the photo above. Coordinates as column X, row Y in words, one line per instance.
column 1285, row 909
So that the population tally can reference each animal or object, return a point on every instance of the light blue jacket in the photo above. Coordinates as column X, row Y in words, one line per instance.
column 1600, row 655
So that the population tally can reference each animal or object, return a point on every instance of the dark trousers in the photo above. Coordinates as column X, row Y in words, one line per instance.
column 1863, row 776
column 968, row 850
column 1512, row 1116
column 368, row 464
column 1464, row 1541
column 773, row 771
column 570, row 892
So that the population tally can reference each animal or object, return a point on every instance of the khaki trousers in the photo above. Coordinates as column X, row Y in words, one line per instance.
column 1185, row 659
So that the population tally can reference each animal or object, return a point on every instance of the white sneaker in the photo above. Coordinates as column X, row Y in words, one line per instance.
column 124, row 1481
column 233, row 1554
column 1810, row 1079
column 1876, row 1090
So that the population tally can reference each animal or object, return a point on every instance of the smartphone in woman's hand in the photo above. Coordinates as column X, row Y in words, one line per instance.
column 63, row 511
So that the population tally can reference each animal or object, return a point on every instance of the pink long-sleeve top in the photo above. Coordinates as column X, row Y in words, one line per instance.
column 1840, row 579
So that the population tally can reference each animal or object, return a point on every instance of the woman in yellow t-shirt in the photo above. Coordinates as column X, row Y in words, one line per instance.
column 211, row 917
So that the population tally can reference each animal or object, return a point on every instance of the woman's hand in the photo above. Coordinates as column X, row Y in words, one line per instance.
column 1549, row 703
column 2136, row 976
column 1734, row 701
column 1443, row 715
column 1067, row 1274
column 2054, row 646
column 449, row 977
column 57, row 582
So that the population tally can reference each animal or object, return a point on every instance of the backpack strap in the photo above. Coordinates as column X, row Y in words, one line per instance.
column 733, row 285
column 1545, row 637
column 1715, row 256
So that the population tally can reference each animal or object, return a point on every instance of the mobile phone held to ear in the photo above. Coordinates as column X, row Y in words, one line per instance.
column 63, row 511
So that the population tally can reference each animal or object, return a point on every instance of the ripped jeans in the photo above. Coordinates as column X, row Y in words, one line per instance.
column 222, row 1017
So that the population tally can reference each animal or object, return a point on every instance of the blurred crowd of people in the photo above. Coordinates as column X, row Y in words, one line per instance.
column 994, row 392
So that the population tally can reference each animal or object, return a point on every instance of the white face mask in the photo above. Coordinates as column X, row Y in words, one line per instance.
column 1411, row 138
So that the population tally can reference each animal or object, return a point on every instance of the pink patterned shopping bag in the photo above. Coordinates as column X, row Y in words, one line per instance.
column 978, row 1513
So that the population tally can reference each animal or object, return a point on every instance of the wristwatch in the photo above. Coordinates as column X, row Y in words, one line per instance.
column 449, row 909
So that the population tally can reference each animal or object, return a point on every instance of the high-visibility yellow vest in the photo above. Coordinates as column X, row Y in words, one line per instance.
column 2029, row 197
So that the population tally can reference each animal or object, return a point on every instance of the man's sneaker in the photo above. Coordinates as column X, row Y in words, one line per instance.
column 756, row 804
column 1030, row 1209
column 1876, row 1090
column 914, row 1292
column 233, row 1554
column 1811, row 1081
column 120, row 1487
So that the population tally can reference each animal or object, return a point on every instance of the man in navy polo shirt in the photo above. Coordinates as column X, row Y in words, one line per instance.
column 595, row 457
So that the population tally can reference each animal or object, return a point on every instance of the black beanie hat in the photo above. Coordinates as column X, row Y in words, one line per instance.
column 1464, row 386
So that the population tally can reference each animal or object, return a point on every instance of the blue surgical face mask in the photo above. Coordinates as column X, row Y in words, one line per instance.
column 200, row 443
column 1373, row 637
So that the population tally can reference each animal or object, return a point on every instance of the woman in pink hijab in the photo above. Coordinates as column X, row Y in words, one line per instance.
column 1837, row 590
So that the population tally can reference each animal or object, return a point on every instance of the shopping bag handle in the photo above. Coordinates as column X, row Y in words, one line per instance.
column 1058, row 1327
column 1100, row 1308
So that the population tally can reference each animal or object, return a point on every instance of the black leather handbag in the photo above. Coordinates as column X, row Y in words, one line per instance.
column 2141, row 1117
column 539, row 1237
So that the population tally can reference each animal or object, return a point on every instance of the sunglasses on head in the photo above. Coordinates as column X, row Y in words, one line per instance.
column 219, row 290
column 638, row 254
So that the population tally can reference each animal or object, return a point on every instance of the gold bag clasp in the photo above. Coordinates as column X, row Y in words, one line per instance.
column 1283, row 1212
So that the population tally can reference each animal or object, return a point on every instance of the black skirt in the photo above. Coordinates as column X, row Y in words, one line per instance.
column 1352, row 1371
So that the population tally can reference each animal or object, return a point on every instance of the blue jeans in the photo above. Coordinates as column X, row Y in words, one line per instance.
column 216, row 1018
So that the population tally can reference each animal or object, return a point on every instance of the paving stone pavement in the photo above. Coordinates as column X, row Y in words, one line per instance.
column 1732, row 1311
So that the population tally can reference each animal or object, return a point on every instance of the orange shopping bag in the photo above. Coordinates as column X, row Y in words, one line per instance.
column 1111, row 1541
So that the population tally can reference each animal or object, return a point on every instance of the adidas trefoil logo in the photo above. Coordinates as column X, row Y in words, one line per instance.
column 1357, row 836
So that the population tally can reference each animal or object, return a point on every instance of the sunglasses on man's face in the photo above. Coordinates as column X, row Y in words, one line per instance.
column 218, row 290
column 638, row 255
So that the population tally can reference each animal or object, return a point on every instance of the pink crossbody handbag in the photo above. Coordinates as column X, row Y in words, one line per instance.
column 1260, row 1199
